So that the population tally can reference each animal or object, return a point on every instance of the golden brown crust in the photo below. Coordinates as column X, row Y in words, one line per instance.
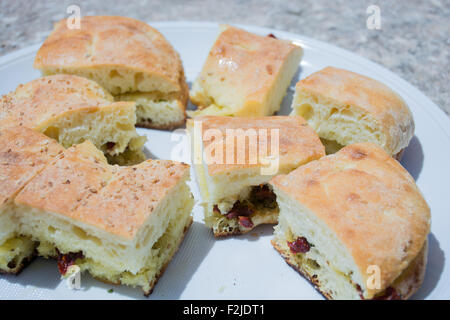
column 183, row 95
column 298, row 143
column 358, row 192
column 23, row 154
column 82, row 183
column 111, row 41
column 61, row 188
column 241, row 71
column 374, row 98
column 141, row 189
column 37, row 103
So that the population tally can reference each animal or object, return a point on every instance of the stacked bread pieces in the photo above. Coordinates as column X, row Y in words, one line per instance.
column 129, row 58
column 238, row 158
column 355, row 224
column 71, row 110
column 344, row 107
column 245, row 75
column 121, row 224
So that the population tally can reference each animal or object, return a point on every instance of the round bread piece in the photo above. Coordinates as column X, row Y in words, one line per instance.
column 345, row 108
column 358, row 209
column 120, row 53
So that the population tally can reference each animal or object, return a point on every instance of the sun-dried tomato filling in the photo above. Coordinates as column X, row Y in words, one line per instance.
column 263, row 196
column 246, row 222
column 240, row 209
column 67, row 260
column 240, row 212
column 300, row 245
column 260, row 197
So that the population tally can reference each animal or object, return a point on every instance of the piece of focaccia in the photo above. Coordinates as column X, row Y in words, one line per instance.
column 354, row 224
column 345, row 107
column 121, row 224
column 245, row 75
column 235, row 191
column 129, row 58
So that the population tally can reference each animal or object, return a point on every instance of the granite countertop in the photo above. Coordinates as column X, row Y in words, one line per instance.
column 414, row 40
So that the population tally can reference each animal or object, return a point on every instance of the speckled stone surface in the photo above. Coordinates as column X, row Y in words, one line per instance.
column 414, row 40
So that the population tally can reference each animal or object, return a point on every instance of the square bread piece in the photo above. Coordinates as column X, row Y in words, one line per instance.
column 129, row 58
column 234, row 187
column 72, row 109
column 245, row 75
column 23, row 154
column 345, row 108
column 121, row 224
column 355, row 224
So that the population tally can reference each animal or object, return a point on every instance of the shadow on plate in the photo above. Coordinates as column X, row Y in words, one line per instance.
column 190, row 105
column 413, row 158
column 435, row 267
column 198, row 242
column 148, row 154
column 41, row 273
column 285, row 109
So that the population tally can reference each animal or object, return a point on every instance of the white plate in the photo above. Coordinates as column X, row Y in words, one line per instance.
column 247, row 267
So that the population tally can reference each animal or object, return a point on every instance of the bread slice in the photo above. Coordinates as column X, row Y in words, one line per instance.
column 345, row 215
column 235, row 191
column 23, row 154
column 121, row 224
column 245, row 75
column 72, row 109
column 345, row 108
column 129, row 58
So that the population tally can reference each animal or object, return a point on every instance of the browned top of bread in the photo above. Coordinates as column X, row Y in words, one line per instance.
column 62, row 187
column 242, row 67
column 344, row 87
column 38, row 102
column 111, row 41
column 83, row 187
column 23, row 154
column 131, row 196
column 371, row 203
column 297, row 142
